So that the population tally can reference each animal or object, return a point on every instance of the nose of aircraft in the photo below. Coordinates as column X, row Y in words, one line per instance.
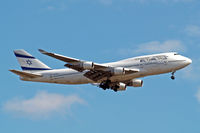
column 188, row 60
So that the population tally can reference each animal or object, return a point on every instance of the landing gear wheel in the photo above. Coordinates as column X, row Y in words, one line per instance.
column 172, row 77
column 115, row 90
column 104, row 88
column 105, row 84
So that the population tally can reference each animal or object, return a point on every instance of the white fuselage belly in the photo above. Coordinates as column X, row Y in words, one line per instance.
column 150, row 67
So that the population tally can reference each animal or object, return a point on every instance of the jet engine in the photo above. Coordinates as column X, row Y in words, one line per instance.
column 118, row 71
column 81, row 66
column 122, row 87
column 119, row 87
column 135, row 83
column 87, row 65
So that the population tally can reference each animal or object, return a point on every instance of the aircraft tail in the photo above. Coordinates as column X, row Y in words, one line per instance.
column 28, row 62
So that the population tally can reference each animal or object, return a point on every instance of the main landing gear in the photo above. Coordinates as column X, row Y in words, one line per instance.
column 114, row 88
column 105, row 85
column 173, row 77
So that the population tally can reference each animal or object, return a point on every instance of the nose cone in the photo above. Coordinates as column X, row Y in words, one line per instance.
column 188, row 61
column 184, row 61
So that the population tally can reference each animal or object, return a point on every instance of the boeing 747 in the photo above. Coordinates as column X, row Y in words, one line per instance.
column 115, row 75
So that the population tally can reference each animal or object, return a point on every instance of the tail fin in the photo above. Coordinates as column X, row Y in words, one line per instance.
column 28, row 62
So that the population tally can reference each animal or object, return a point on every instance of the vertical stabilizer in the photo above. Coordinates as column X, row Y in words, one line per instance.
column 28, row 62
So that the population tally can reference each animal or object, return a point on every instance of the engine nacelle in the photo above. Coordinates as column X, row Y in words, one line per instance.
column 122, row 87
column 135, row 83
column 119, row 87
column 87, row 65
column 118, row 71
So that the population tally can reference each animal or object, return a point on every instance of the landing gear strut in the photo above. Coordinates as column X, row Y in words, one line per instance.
column 115, row 88
column 173, row 77
column 105, row 85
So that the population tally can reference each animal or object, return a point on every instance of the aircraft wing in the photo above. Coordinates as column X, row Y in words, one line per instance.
column 60, row 57
column 25, row 74
column 72, row 62
column 95, row 71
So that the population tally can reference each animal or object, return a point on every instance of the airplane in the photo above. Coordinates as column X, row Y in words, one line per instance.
column 116, row 76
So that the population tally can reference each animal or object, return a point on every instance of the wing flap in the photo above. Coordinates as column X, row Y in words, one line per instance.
column 97, row 75
column 25, row 74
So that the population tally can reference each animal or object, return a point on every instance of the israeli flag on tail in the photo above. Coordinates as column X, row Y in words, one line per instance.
column 28, row 62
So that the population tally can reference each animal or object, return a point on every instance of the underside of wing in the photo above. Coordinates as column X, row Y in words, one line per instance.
column 96, row 75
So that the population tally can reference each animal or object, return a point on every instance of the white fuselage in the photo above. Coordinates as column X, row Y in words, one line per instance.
column 148, row 65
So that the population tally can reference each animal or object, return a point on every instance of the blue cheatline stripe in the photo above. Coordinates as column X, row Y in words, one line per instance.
column 30, row 68
column 24, row 56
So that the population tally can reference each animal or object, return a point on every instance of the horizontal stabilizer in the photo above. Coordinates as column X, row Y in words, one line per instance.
column 25, row 74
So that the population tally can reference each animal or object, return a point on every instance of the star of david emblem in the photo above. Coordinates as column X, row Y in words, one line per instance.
column 29, row 62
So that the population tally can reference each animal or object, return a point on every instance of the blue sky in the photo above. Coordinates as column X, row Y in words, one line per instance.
column 100, row 31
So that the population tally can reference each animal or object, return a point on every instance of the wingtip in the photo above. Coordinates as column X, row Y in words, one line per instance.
column 42, row 51
column 11, row 70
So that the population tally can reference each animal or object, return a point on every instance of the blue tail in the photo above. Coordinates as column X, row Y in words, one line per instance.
column 28, row 62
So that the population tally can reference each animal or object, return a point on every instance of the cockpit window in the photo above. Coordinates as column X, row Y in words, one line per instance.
column 176, row 54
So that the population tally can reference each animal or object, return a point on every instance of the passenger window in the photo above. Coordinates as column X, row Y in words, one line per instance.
column 153, row 59
column 142, row 60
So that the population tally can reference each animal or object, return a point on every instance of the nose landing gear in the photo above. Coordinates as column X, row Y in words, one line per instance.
column 173, row 77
